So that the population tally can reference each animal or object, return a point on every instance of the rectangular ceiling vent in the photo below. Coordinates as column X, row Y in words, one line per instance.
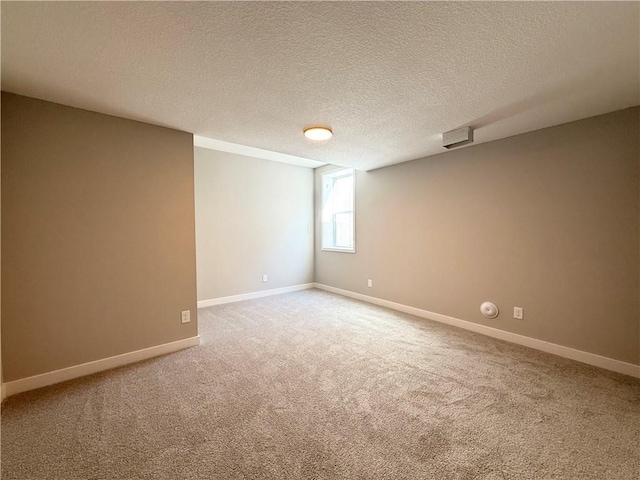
column 457, row 138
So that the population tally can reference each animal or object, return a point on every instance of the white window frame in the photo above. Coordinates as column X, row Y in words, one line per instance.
column 337, row 173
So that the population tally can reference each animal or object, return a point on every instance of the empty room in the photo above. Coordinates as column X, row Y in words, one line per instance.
column 320, row 240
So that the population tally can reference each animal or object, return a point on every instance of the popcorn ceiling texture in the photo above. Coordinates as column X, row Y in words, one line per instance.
column 312, row 385
column 389, row 77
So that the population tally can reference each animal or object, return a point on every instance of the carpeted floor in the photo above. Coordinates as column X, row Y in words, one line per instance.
column 312, row 385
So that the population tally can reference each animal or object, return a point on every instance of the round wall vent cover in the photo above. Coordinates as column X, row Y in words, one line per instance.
column 489, row 310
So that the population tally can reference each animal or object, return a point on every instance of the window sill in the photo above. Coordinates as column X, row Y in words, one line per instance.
column 340, row 250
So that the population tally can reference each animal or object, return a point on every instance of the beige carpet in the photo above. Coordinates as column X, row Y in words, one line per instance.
column 312, row 385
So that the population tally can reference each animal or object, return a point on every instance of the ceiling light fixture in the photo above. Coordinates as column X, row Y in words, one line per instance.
column 318, row 134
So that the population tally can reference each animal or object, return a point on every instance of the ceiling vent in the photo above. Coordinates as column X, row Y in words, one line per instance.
column 457, row 138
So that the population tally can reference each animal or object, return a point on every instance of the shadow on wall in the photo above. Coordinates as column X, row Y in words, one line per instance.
column 578, row 84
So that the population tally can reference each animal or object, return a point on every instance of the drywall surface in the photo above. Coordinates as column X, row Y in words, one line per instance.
column 98, row 236
column 253, row 217
column 547, row 221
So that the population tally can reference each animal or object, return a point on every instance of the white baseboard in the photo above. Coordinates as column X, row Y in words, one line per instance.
column 561, row 351
column 248, row 296
column 57, row 376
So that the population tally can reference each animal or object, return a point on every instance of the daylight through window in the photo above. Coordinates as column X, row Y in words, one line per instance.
column 337, row 211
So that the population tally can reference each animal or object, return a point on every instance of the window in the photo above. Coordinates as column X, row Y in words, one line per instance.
column 338, row 220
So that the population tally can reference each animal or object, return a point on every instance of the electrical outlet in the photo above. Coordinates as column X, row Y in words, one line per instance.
column 518, row 313
column 369, row 283
column 186, row 316
column 265, row 278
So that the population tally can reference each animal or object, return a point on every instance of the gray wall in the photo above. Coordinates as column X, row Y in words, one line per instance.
column 548, row 221
column 98, row 243
column 253, row 217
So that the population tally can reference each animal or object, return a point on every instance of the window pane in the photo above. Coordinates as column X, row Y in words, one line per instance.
column 337, row 214
column 344, row 230
column 343, row 194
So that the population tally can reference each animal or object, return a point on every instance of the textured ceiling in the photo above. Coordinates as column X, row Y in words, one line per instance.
column 388, row 77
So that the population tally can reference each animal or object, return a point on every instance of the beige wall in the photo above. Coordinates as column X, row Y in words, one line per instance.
column 98, row 247
column 548, row 221
column 253, row 217
column 1, row 372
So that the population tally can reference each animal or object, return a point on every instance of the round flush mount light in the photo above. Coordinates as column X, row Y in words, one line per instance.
column 319, row 134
